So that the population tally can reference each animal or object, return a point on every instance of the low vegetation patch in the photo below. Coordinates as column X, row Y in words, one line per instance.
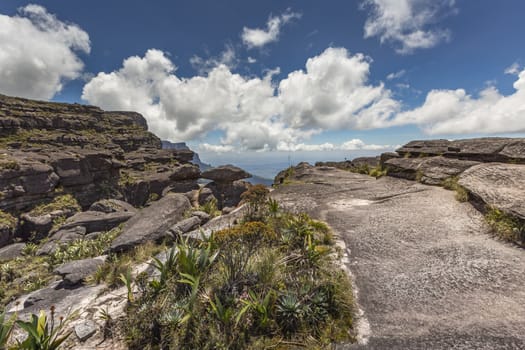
column 7, row 220
column 505, row 225
column 452, row 184
column 272, row 281
column 365, row 169
column 63, row 202
column 28, row 272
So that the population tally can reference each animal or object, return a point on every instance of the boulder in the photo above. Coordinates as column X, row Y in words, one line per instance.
column 61, row 237
column 85, row 330
column 74, row 272
column 11, row 251
column 498, row 185
column 405, row 168
column 206, row 195
column 387, row 156
column 225, row 173
column 37, row 226
column 183, row 227
column 371, row 162
column 436, row 169
column 423, row 148
column 204, row 217
column 430, row 171
column 151, row 223
column 185, row 172
column 94, row 221
column 112, row 206
column 228, row 194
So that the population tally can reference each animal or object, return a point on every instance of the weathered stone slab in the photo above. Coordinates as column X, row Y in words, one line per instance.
column 11, row 251
column 498, row 185
column 430, row 171
column 225, row 173
column 151, row 223
column 97, row 221
column 76, row 271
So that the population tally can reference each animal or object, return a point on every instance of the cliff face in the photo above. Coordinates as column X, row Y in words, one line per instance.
column 51, row 149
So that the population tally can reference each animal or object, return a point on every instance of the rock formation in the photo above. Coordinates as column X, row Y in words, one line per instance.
column 226, row 186
column 48, row 150
column 491, row 170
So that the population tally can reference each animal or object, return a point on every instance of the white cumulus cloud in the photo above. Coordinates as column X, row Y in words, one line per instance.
column 257, row 37
column 407, row 24
column 253, row 113
column 456, row 112
column 333, row 93
column 39, row 53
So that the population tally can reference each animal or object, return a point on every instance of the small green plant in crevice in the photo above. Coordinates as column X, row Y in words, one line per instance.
column 362, row 168
column 377, row 172
column 419, row 175
column 127, row 279
column 505, row 226
column 210, row 208
column 452, row 184
column 84, row 248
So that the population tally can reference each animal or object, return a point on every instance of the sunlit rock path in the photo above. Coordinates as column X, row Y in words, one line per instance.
column 426, row 273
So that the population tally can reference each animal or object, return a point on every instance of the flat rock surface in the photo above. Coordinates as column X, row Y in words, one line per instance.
column 498, row 185
column 426, row 273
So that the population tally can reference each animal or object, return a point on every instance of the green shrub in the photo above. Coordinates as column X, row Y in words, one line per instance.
column 255, row 198
column 377, row 172
column 243, row 288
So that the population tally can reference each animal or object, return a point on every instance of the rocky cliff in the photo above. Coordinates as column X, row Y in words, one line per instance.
column 49, row 150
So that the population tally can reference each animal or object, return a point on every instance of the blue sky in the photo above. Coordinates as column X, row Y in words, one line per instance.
column 231, row 77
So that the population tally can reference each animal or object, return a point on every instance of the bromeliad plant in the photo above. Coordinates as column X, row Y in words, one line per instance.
column 43, row 333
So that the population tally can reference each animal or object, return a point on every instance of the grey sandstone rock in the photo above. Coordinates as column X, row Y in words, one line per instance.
column 184, row 226
column 497, row 185
column 151, row 223
column 225, row 173
column 76, row 271
column 60, row 237
column 85, row 329
column 97, row 221
column 204, row 217
column 11, row 251
column 429, row 170
column 112, row 206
